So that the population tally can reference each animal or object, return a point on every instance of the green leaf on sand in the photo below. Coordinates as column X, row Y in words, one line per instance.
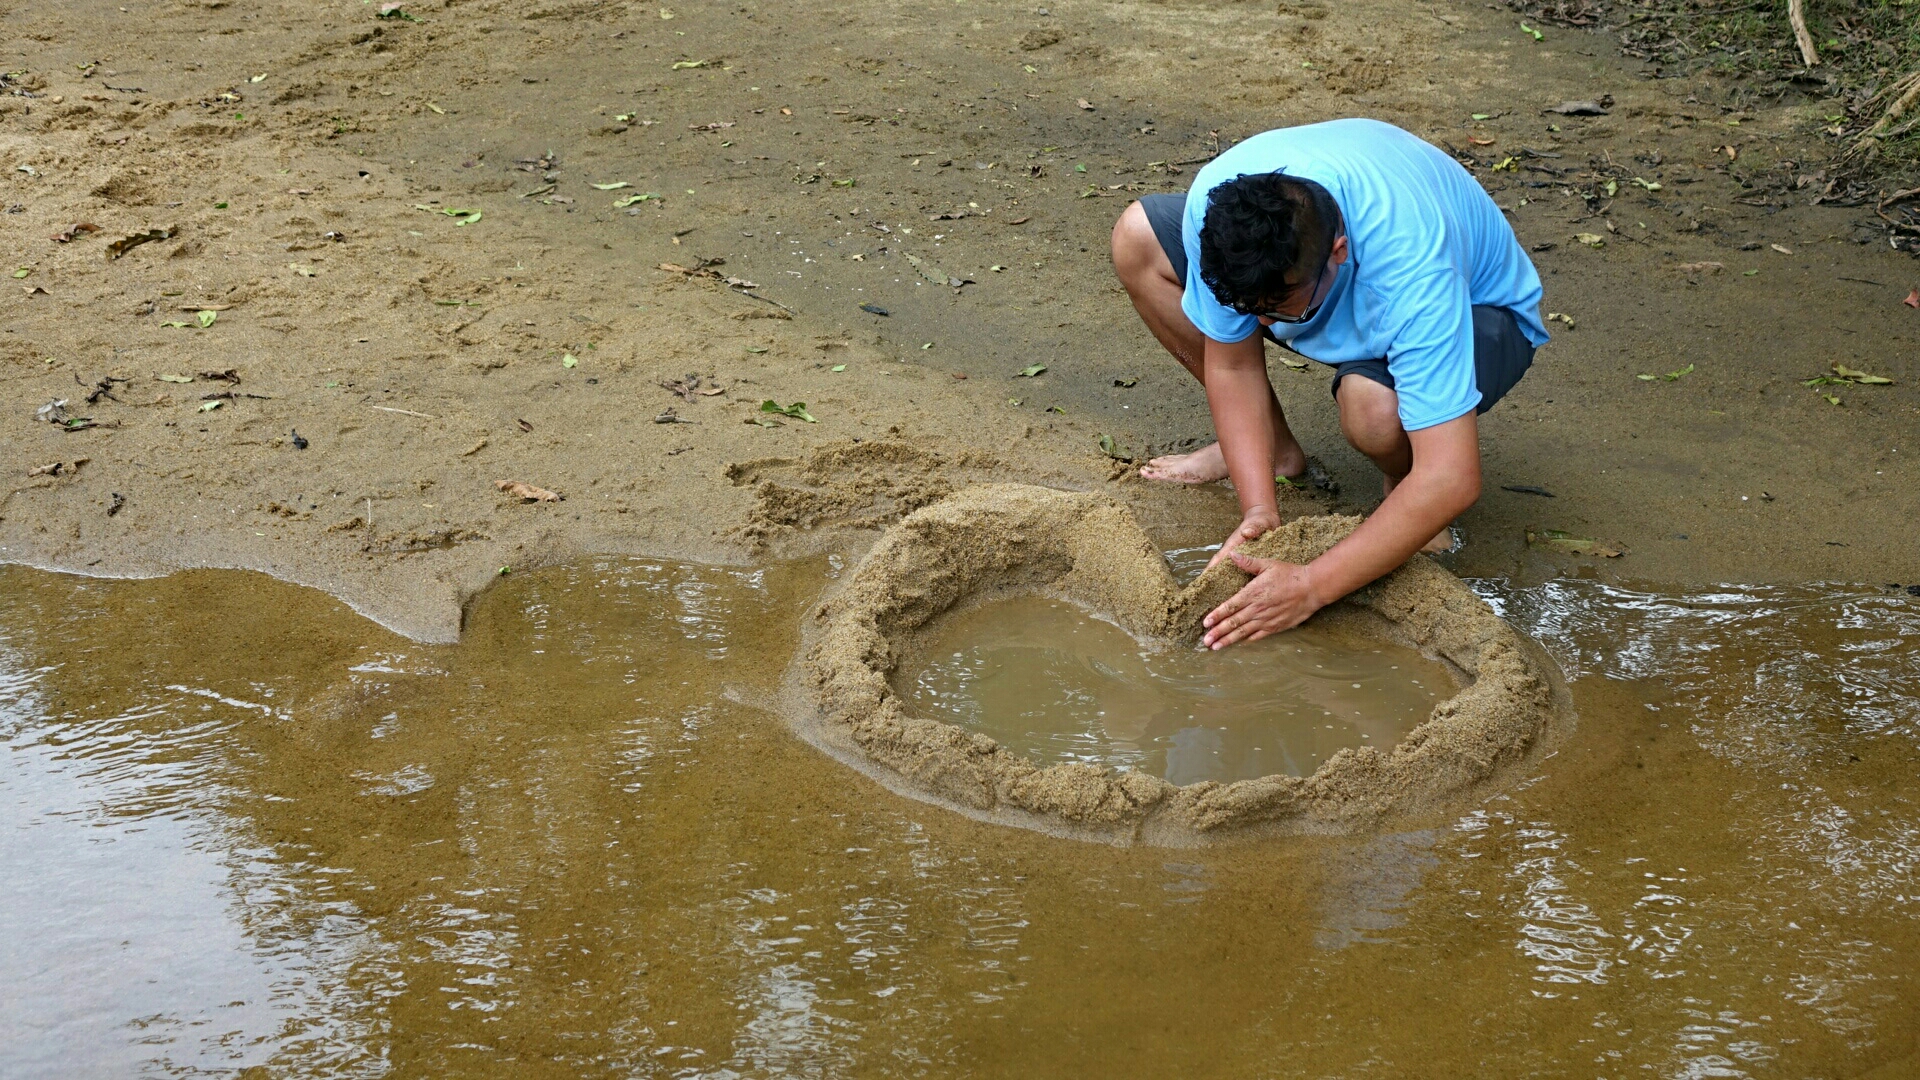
column 209, row 406
column 631, row 199
column 1108, row 448
column 1672, row 375
column 1857, row 376
column 797, row 410
column 206, row 318
column 1032, row 371
column 569, row 361
column 839, row 367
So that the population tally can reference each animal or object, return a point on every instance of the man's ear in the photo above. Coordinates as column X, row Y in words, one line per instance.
column 1340, row 251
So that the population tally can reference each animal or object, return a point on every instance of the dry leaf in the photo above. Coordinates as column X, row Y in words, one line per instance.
column 1085, row 104
column 527, row 492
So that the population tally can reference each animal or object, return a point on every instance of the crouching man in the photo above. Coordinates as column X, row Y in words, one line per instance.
column 1355, row 244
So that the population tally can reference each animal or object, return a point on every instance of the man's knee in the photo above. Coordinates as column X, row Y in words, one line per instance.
column 1135, row 245
column 1370, row 416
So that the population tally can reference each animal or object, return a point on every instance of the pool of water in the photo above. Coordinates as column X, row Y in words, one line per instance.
column 244, row 829
column 1046, row 679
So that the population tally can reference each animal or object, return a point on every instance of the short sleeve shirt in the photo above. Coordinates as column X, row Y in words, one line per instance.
column 1426, row 244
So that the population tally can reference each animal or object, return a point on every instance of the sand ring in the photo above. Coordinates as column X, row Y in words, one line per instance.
column 1002, row 540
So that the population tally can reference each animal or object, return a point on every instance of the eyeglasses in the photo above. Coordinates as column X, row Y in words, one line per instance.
column 1312, row 308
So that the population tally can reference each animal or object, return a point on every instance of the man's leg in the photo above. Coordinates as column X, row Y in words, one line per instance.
column 1370, row 419
column 1147, row 273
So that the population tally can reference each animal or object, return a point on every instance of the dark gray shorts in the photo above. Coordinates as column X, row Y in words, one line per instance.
column 1501, row 351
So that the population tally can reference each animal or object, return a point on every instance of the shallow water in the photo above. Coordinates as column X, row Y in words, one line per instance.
column 243, row 827
column 1047, row 680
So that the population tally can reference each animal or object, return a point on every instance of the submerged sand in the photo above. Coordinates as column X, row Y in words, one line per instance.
column 992, row 541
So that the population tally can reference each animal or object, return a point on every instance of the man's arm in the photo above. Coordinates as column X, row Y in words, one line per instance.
column 1238, row 396
column 1444, row 482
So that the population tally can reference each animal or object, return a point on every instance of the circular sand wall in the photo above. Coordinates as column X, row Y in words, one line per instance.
column 1002, row 540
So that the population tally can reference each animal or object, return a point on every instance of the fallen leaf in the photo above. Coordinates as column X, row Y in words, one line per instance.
column 683, row 65
column 838, row 367
column 206, row 318
column 302, row 269
column 1478, row 141
column 22, row 272
column 1650, row 185
column 756, row 348
column 632, row 199
column 1557, row 540
column 615, row 186
column 527, row 492
column 1024, row 220
column 128, row 243
column 1481, row 116
column 1294, row 362
column 1858, row 376
column 524, row 426
column 1646, row 378
column 1126, row 384
column 797, row 410
column 1032, row 371
column 209, row 406
column 935, row 274
column 1781, row 248
column 436, row 108
column 72, row 232
column 569, row 361
column 1591, row 239
column 1108, row 448
column 175, row 378
column 1672, row 375
column 175, row 325
column 1085, row 104
column 1560, row 316
column 1831, row 400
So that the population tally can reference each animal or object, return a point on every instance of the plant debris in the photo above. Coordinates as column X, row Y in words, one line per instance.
column 73, row 232
column 1527, row 489
column 128, row 243
column 1558, row 540
column 797, row 410
column 527, row 492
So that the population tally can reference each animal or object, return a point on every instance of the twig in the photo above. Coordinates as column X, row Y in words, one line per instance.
column 768, row 299
column 1797, row 15
column 404, row 412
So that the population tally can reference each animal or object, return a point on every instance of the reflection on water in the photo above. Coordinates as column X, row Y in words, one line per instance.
column 1047, row 680
column 242, row 827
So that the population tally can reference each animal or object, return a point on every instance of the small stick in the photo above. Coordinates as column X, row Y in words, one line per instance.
column 768, row 299
column 404, row 412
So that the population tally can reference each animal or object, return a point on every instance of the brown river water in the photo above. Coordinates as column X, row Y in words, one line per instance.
column 246, row 832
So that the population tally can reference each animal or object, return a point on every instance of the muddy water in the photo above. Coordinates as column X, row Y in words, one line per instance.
column 244, row 829
column 1047, row 680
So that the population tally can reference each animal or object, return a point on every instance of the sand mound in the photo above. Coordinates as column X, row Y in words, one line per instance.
column 994, row 541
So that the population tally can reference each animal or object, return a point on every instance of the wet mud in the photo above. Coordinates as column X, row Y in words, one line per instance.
column 994, row 541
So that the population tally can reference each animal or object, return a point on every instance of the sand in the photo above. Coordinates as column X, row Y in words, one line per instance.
column 995, row 540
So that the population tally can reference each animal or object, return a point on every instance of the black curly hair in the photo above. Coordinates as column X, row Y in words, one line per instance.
column 1265, row 234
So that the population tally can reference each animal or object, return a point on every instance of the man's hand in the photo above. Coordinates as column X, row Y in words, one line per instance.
column 1257, row 523
column 1280, row 597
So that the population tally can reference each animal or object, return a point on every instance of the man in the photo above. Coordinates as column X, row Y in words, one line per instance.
column 1360, row 246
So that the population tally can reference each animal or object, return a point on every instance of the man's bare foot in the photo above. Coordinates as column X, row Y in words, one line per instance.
column 1208, row 464
column 1203, row 466
column 1442, row 543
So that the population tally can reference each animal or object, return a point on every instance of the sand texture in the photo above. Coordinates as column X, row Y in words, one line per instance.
column 996, row 540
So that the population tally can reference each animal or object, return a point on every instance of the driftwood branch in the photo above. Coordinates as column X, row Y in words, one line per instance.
column 1797, row 15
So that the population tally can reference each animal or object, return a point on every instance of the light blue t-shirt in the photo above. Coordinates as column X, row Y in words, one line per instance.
column 1426, row 244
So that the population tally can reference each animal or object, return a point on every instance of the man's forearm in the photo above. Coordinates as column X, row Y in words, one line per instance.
column 1444, row 482
column 1238, row 397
